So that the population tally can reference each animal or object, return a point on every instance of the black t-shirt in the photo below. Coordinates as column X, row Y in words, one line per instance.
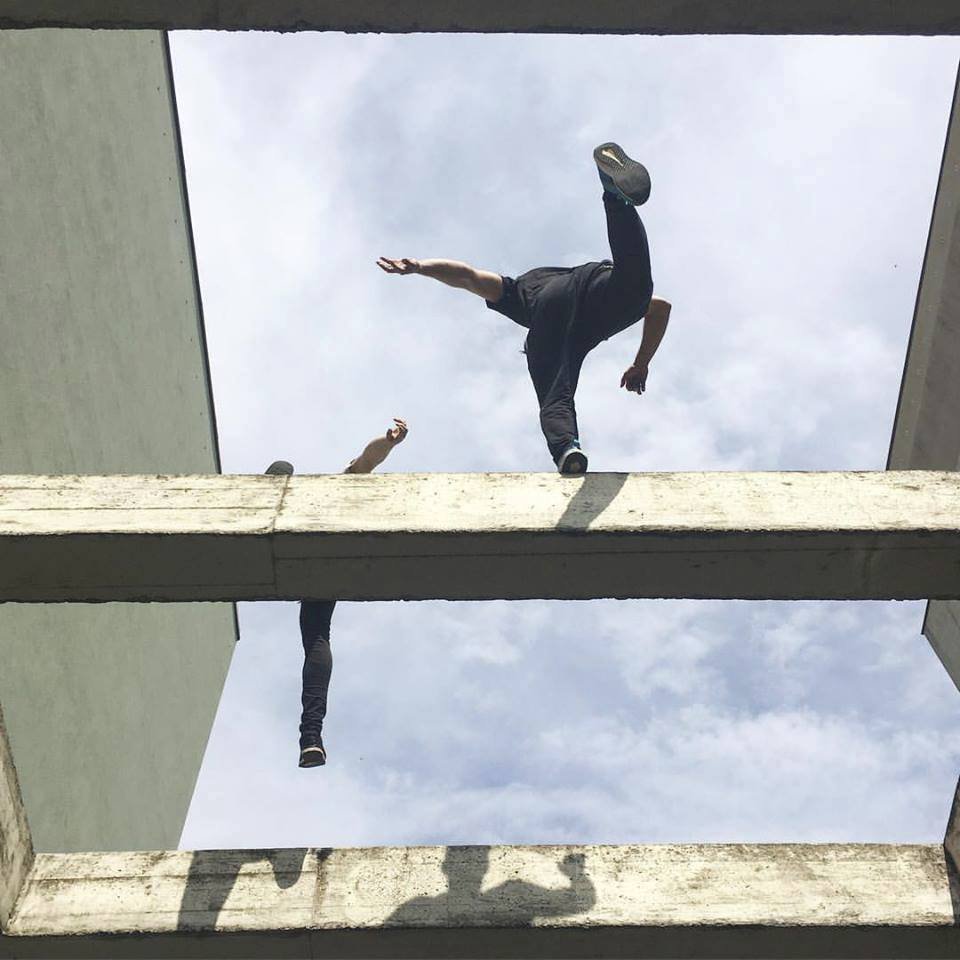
column 553, row 290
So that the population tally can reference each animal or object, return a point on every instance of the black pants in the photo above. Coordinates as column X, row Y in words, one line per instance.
column 560, row 338
column 315, row 618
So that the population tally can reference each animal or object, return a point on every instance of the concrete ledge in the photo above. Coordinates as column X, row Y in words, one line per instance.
column 499, row 16
column 875, row 535
column 783, row 900
column 481, row 536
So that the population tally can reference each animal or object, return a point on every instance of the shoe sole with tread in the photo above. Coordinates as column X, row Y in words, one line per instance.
column 630, row 177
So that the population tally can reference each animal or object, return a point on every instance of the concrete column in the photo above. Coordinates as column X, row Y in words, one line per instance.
column 16, row 847
column 926, row 433
column 102, row 370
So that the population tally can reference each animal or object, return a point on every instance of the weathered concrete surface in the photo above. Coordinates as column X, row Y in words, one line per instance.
column 951, row 840
column 926, row 432
column 941, row 626
column 874, row 535
column 565, row 16
column 16, row 847
column 102, row 370
column 672, row 900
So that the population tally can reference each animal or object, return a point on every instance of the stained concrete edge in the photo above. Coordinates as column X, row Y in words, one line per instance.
column 840, row 17
column 749, row 900
column 872, row 535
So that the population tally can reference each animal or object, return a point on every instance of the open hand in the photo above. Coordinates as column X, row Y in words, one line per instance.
column 403, row 267
column 634, row 378
column 397, row 433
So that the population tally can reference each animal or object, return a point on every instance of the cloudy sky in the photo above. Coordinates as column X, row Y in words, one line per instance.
column 793, row 180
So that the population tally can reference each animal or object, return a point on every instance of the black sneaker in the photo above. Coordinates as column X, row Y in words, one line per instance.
column 280, row 468
column 312, row 753
column 573, row 461
column 621, row 176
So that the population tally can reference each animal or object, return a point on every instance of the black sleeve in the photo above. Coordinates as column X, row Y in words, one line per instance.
column 510, row 304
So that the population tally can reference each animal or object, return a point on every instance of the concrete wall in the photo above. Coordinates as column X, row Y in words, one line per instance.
column 16, row 847
column 926, row 432
column 562, row 16
column 102, row 370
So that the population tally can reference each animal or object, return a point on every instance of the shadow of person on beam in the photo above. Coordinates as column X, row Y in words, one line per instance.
column 595, row 493
column 212, row 876
column 513, row 903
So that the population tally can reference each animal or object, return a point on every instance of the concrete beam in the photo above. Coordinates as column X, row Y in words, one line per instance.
column 497, row 16
column 16, row 847
column 481, row 536
column 926, row 432
column 744, row 900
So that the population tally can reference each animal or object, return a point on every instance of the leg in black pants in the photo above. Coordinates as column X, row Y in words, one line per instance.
column 554, row 374
column 315, row 618
column 623, row 296
column 563, row 333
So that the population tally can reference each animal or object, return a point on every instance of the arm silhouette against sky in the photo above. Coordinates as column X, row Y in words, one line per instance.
column 378, row 449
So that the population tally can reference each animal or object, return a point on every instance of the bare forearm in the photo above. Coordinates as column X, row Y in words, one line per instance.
column 461, row 275
column 374, row 453
column 451, row 272
column 654, row 327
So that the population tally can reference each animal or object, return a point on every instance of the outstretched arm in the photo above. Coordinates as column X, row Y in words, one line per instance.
column 451, row 272
column 377, row 450
column 654, row 327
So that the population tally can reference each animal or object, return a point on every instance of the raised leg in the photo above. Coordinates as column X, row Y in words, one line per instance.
column 630, row 284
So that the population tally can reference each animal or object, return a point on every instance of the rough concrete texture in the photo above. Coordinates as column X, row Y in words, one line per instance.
column 873, row 535
column 500, row 16
column 941, row 626
column 16, row 847
column 926, row 433
column 951, row 839
column 670, row 900
column 102, row 369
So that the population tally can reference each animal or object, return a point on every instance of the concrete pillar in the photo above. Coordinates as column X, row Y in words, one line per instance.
column 102, row 370
column 926, row 433
column 16, row 847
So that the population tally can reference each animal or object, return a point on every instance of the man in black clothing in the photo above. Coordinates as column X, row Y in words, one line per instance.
column 569, row 310
column 315, row 616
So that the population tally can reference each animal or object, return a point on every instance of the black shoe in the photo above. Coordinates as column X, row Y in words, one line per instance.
column 312, row 753
column 280, row 468
column 621, row 176
column 573, row 461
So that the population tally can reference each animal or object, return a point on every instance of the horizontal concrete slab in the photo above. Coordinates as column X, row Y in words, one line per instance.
column 502, row 16
column 877, row 535
column 779, row 900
